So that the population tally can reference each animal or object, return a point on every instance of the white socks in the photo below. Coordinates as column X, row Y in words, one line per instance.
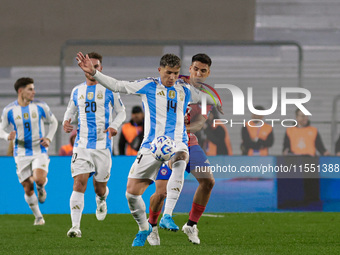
column 137, row 208
column 32, row 201
column 175, row 186
column 76, row 206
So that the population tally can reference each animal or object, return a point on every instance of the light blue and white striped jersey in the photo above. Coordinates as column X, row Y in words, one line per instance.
column 94, row 106
column 164, row 107
column 28, row 122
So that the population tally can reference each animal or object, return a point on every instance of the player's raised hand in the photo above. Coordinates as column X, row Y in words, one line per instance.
column 112, row 132
column 85, row 63
column 67, row 126
column 11, row 136
column 45, row 142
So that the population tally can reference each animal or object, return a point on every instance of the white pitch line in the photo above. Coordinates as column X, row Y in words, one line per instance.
column 204, row 214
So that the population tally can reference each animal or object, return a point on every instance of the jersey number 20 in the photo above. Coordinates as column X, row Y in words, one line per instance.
column 90, row 107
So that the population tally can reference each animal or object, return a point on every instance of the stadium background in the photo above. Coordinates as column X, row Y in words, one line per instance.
column 33, row 34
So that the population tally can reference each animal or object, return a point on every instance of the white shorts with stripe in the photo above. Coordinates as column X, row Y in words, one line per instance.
column 26, row 165
column 146, row 166
column 94, row 161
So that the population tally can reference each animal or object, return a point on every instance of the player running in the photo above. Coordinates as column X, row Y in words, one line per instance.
column 26, row 116
column 94, row 105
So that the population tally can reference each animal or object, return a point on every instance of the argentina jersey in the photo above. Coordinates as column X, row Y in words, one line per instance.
column 164, row 107
column 28, row 122
column 94, row 105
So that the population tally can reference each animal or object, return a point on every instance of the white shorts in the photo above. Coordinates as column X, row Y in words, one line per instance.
column 26, row 165
column 92, row 160
column 146, row 166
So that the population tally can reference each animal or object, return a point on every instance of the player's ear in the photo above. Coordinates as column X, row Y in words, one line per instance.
column 159, row 69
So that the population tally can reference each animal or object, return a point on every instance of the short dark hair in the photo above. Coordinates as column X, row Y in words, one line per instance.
column 22, row 83
column 203, row 58
column 95, row 55
column 170, row 60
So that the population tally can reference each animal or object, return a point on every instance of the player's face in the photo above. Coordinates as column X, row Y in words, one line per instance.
column 27, row 93
column 97, row 65
column 302, row 119
column 199, row 72
column 169, row 75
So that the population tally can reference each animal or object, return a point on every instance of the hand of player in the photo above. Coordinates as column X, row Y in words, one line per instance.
column 67, row 126
column 11, row 136
column 85, row 64
column 112, row 132
column 45, row 142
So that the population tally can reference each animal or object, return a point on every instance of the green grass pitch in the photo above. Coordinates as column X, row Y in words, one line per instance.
column 230, row 233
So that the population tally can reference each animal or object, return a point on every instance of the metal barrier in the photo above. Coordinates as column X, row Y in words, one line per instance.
column 179, row 43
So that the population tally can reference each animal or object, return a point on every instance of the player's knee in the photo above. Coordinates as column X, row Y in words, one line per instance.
column 208, row 184
column 134, row 202
column 161, row 196
column 79, row 186
column 40, row 182
column 181, row 155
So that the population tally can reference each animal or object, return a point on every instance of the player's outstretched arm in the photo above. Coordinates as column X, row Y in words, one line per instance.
column 108, row 82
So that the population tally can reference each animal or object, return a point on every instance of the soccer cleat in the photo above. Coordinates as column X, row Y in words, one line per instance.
column 74, row 232
column 168, row 223
column 39, row 221
column 42, row 193
column 192, row 233
column 153, row 238
column 141, row 237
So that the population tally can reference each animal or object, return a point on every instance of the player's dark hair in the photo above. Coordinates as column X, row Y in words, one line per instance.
column 170, row 60
column 203, row 58
column 22, row 83
column 96, row 55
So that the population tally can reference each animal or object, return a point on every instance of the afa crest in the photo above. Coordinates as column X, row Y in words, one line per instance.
column 172, row 94
column 100, row 95
column 90, row 95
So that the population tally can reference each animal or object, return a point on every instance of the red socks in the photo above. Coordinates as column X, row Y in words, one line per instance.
column 153, row 216
column 196, row 212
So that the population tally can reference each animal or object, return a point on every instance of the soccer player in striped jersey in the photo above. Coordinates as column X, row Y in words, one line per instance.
column 199, row 72
column 26, row 116
column 165, row 100
column 93, row 105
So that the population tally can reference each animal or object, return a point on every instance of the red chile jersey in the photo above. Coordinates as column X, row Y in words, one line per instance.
column 193, row 111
